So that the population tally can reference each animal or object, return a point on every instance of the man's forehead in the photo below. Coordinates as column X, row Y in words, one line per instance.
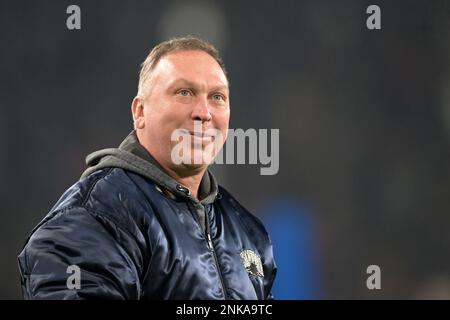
column 180, row 81
column 182, row 65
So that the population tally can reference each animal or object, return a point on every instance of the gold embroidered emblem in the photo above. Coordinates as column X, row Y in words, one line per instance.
column 252, row 263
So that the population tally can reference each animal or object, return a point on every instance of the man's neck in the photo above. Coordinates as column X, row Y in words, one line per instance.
column 188, row 177
column 191, row 181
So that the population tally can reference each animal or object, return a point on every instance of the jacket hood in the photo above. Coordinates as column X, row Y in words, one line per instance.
column 132, row 156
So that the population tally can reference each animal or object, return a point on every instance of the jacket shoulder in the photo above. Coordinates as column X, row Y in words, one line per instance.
column 108, row 192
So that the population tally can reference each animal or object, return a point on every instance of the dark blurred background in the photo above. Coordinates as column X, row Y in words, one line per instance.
column 364, row 119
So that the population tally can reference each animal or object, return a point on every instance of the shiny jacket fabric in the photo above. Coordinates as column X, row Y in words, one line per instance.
column 135, row 235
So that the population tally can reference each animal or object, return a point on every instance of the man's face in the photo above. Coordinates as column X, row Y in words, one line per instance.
column 188, row 92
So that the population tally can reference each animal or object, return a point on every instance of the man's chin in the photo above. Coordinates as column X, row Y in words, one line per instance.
column 195, row 165
column 195, row 158
column 189, row 169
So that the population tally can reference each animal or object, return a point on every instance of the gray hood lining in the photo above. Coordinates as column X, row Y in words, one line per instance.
column 118, row 158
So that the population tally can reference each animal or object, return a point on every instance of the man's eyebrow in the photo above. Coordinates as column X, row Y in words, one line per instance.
column 193, row 84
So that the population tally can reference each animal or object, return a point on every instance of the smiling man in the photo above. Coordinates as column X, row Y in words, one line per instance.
column 148, row 220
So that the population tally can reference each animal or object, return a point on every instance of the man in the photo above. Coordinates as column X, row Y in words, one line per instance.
column 148, row 220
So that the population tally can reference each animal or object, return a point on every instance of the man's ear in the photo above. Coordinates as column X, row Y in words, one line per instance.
column 137, row 110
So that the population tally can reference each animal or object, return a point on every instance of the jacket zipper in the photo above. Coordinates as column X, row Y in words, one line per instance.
column 213, row 251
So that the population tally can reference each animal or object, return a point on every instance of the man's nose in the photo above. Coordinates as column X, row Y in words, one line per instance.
column 201, row 110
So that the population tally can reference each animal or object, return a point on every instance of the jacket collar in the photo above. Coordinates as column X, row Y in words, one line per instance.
column 132, row 156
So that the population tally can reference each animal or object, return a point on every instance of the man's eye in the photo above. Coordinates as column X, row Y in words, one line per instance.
column 218, row 97
column 184, row 92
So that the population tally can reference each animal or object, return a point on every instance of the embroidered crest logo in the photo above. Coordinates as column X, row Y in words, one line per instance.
column 252, row 263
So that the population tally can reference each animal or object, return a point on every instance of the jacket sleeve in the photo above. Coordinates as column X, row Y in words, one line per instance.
column 80, row 255
column 271, row 270
column 270, row 295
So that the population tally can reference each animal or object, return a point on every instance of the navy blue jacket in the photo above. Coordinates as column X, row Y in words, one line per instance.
column 133, row 232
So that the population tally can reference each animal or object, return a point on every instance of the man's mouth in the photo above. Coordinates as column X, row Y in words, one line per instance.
column 203, row 135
